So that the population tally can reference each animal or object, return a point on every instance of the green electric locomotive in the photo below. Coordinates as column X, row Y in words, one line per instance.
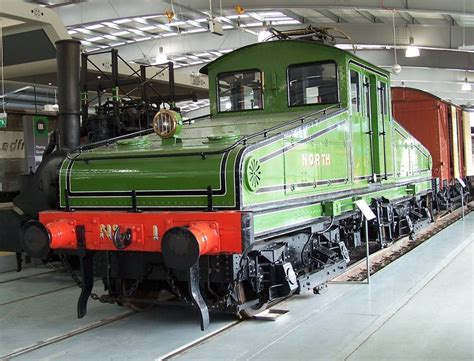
column 253, row 203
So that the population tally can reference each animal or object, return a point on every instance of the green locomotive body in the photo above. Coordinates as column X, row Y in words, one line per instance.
column 293, row 140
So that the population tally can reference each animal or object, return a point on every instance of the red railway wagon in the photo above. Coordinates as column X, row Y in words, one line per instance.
column 440, row 126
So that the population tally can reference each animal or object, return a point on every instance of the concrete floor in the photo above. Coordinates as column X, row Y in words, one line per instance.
column 420, row 307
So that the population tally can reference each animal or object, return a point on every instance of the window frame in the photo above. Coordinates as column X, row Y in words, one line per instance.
column 383, row 95
column 359, row 91
column 332, row 61
column 255, row 70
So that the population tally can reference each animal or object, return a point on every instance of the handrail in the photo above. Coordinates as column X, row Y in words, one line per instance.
column 203, row 155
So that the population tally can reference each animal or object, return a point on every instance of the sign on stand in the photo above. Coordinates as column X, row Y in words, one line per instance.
column 368, row 216
column 463, row 185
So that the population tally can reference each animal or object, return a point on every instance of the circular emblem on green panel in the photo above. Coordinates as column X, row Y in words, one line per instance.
column 253, row 173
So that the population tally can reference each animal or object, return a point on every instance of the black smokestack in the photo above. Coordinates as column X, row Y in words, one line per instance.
column 68, row 61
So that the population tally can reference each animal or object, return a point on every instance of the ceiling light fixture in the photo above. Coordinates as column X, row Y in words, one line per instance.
column 466, row 86
column 412, row 51
column 396, row 68
column 263, row 34
column 161, row 57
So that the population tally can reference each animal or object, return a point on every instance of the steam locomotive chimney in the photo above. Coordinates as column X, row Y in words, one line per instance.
column 68, row 62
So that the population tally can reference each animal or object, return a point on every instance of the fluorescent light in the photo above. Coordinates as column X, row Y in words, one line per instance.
column 270, row 13
column 250, row 25
column 120, row 33
column 164, row 27
column 237, row 16
column 96, row 38
column 95, row 26
column 161, row 57
column 194, row 23
column 196, row 31
column 138, row 32
column 122, row 21
column 84, row 31
column 412, row 51
column 111, row 25
column 285, row 22
column 466, row 86
column 140, row 20
column 71, row 32
column 146, row 28
column 257, row 16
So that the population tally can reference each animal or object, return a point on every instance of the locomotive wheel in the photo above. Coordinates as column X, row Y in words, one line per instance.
column 251, row 311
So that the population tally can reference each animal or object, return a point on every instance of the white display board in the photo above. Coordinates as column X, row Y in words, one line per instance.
column 365, row 209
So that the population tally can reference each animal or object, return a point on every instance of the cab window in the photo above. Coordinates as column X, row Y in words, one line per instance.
column 239, row 91
column 313, row 83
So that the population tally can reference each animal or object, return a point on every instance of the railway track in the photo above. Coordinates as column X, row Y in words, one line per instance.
column 55, row 339
column 37, row 295
column 355, row 273
column 29, row 276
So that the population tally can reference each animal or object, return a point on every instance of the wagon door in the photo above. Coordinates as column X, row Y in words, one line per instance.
column 361, row 128
column 382, row 133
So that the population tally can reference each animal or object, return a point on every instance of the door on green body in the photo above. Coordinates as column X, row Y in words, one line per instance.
column 380, row 124
column 361, row 140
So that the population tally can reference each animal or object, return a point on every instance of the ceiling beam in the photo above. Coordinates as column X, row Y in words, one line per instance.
column 332, row 16
column 450, row 20
column 408, row 18
column 413, row 6
column 367, row 15
column 293, row 15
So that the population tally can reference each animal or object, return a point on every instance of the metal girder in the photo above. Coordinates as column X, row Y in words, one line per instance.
column 330, row 15
column 367, row 15
column 293, row 15
column 99, row 10
column 450, row 20
column 408, row 18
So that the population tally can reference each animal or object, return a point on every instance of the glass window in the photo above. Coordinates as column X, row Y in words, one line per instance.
column 368, row 110
column 240, row 91
column 383, row 98
column 355, row 91
column 314, row 83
